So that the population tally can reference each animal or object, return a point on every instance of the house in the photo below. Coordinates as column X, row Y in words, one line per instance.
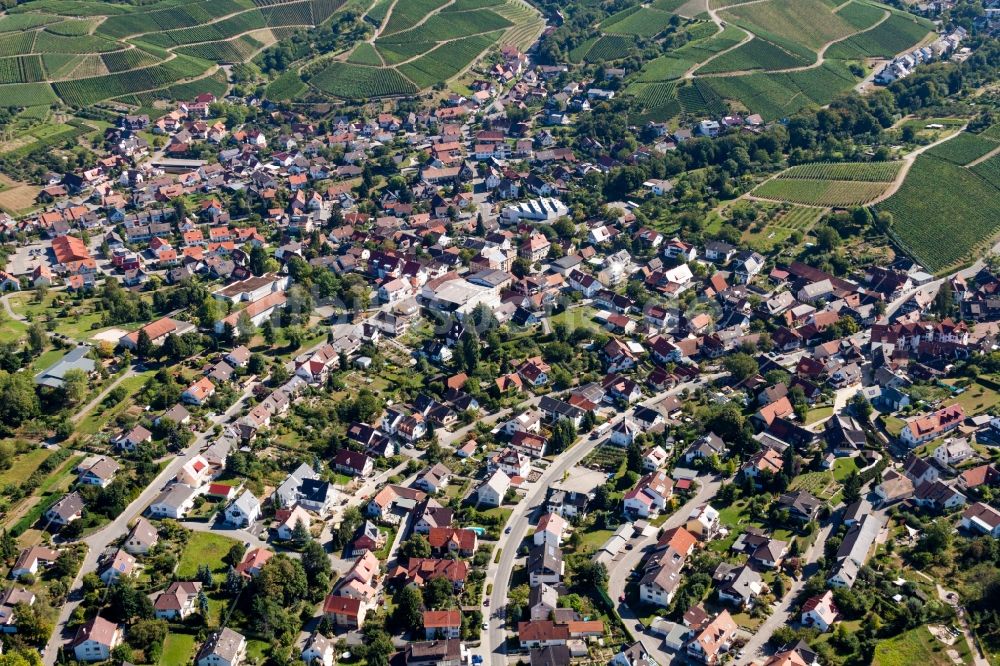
column 919, row 470
column 141, row 537
column 253, row 561
column 442, row 624
column 75, row 359
column 433, row 479
column 800, row 505
column 703, row 522
column 178, row 601
column 9, row 600
column 31, row 560
column 921, row 429
column 937, row 495
column 195, row 472
column 545, row 565
column 894, row 487
column 649, row 496
column 542, row 633
column 820, row 611
column 661, row 581
column 419, row 570
column 173, row 502
column 99, row 473
column 982, row 518
column 493, row 490
column 567, row 503
column 130, row 441
column 223, row 648
column 448, row 540
column 434, row 653
column 542, row 602
column 95, row 640
column 705, row 448
column 122, row 565
column 66, row 510
column 199, row 392
column 854, row 550
column 739, row 586
column 550, row 530
column 799, row 654
column 714, row 640
column 244, row 510
column 345, row 611
column 353, row 463
column 319, row 651
column 953, row 452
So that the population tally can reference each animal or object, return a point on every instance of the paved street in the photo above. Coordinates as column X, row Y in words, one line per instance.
column 499, row 573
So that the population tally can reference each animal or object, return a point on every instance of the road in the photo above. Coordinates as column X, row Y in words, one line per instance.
column 99, row 541
column 499, row 573
column 618, row 574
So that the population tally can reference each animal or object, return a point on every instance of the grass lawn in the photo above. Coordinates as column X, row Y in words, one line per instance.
column 10, row 330
column 24, row 465
column 977, row 399
column 818, row 414
column 842, row 467
column 503, row 512
column 591, row 541
column 46, row 359
column 893, row 425
column 204, row 548
column 256, row 650
column 177, row 649
column 574, row 318
column 917, row 646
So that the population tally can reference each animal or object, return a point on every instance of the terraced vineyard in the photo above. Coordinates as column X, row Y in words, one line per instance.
column 830, row 183
column 794, row 54
column 965, row 148
column 88, row 51
column 875, row 172
column 423, row 43
column 937, row 227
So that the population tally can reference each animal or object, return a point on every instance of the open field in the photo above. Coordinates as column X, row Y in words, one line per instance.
column 812, row 192
column 934, row 225
column 127, row 49
column 204, row 548
column 917, row 646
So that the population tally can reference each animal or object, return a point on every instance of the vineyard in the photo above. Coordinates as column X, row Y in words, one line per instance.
column 782, row 226
column 964, row 148
column 170, row 42
column 875, row 172
column 824, row 193
column 937, row 227
column 646, row 22
column 359, row 82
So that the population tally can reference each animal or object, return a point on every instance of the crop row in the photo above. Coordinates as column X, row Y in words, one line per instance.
column 172, row 18
column 894, row 35
column 21, row 69
column 964, row 148
column 84, row 92
column 820, row 192
column 119, row 61
column 932, row 223
column 442, row 27
column 446, row 60
column 408, row 13
column 610, row 47
column 27, row 94
column 875, row 172
column 17, row 43
column 756, row 54
column 646, row 22
column 229, row 51
column 360, row 82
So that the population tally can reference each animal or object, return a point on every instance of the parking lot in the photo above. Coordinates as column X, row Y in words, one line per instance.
column 27, row 257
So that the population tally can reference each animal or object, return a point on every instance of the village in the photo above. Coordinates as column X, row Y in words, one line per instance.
column 385, row 390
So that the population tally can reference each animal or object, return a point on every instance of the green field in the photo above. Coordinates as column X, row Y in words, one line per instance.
column 877, row 172
column 204, row 548
column 938, row 228
column 358, row 82
column 177, row 649
column 807, row 22
column 917, row 646
column 964, row 148
column 894, row 35
column 811, row 192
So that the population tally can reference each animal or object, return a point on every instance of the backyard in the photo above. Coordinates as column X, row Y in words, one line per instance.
column 204, row 548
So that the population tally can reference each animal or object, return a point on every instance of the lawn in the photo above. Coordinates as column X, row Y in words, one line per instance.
column 256, row 650
column 978, row 398
column 24, row 465
column 204, row 548
column 842, row 467
column 894, row 425
column 820, row 484
column 177, row 650
column 917, row 647
column 818, row 414
column 574, row 318
column 592, row 540
column 10, row 330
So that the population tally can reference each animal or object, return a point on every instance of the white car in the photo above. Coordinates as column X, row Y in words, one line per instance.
column 486, row 625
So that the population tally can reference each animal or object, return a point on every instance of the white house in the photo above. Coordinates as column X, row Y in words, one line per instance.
column 174, row 502
column 244, row 511
column 96, row 639
column 223, row 648
column 492, row 491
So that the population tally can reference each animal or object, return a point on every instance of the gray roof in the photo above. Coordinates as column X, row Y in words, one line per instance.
column 225, row 644
column 73, row 360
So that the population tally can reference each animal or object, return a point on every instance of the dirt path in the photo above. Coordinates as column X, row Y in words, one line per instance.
column 385, row 21
column 985, row 157
column 820, row 55
column 908, row 161
column 690, row 73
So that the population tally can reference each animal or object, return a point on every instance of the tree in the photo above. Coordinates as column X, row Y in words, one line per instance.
column 852, row 487
column 316, row 563
column 438, row 593
column 741, row 366
column 245, row 328
column 408, row 615
column 208, row 312
column 37, row 337
column 18, row 399
column 416, row 546
column 257, row 364
column 634, row 457
column 270, row 335
column 258, row 260
column 144, row 347
column 75, row 385
column 862, row 407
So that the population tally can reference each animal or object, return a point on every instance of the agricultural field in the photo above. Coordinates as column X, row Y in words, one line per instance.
column 423, row 44
column 785, row 222
column 774, row 71
column 642, row 21
column 90, row 51
column 964, row 148
column 875, row 172
column 825, row 193
column 932, row 224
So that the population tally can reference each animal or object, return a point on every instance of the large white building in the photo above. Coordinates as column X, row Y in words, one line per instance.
column 545, row 209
